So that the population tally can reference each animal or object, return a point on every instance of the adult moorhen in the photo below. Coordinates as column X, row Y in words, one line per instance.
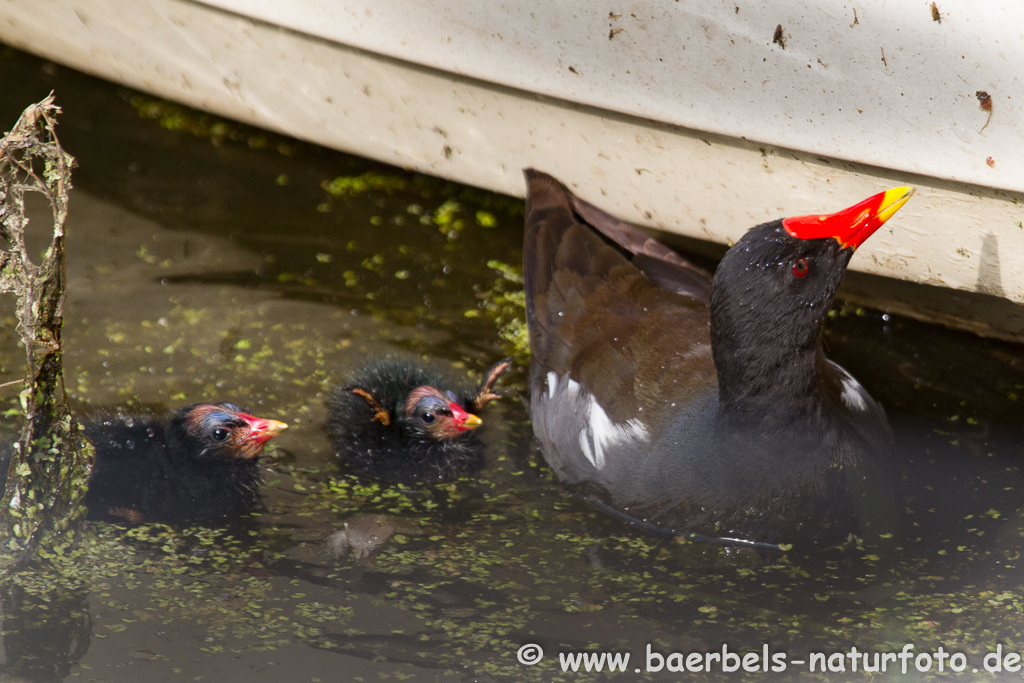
column 699, row 406
column 198, row 463
column 402, row 421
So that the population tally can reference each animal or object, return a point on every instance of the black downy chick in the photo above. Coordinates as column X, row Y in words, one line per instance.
column 402, row 421
column 198, row 463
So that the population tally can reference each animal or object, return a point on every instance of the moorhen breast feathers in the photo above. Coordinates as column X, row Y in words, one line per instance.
column 696, row 405
column 402, row 421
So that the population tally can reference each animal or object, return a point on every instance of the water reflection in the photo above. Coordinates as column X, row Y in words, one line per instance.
column 43, row 635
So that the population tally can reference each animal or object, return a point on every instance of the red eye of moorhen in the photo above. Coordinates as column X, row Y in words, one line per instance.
column 800, row 267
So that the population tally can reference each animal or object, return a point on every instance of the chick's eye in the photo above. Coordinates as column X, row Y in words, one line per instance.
column 220, row 435
column 428, row 418
column 800, row 267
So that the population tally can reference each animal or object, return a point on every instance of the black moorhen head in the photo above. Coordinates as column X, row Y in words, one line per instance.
column 698, row 406
column 403, row 422
column 198, row 463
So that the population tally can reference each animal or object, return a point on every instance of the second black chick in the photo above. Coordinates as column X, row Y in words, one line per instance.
column 198, row 463
column 402, row 421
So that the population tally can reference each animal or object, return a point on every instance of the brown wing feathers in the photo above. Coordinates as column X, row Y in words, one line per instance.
column 597, row 317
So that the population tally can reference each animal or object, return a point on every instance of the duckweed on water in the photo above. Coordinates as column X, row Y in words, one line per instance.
column 235, row 585
column 175, row 117
column 505, row 301
column 371, row 180
column 158, row 575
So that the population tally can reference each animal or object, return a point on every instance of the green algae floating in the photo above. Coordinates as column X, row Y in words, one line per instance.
column 50, row 463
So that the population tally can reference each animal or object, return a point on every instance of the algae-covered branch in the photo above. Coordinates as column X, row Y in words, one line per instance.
column 50, row 463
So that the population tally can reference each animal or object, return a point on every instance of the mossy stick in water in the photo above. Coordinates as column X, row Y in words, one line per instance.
column 50, row 464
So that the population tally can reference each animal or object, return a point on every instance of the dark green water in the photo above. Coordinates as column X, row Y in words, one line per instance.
column 212, row 262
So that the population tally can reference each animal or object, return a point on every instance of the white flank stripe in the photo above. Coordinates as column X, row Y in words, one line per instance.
column 599, row 432
column 854, row 395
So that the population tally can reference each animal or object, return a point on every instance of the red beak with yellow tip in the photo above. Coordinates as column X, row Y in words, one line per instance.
column 851, row 226
column 261, row 429
column 464, row 421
